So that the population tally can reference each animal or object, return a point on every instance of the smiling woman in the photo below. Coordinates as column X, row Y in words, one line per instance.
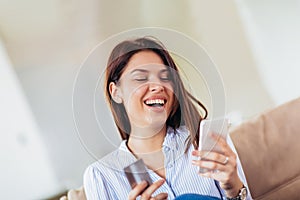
column 146, row 92
column 137, row 61
column 158, row 120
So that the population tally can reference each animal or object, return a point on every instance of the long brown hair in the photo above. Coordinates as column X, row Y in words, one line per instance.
column 184, row 109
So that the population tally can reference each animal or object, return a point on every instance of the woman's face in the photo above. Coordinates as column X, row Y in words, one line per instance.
column 146, row 91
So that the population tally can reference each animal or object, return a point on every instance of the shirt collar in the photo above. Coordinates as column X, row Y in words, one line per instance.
column 123, row 146
column 176, row 139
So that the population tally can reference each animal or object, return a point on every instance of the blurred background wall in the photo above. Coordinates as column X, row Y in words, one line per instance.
column 254, row 43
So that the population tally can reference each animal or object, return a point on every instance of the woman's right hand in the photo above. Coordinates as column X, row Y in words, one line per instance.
column 146, row 194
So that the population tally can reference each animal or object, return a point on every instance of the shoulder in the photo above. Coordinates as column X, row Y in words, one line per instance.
column 97, row 178
column 112, row 162
column 100, row 166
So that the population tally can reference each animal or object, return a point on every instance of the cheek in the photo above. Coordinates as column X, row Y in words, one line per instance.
column 169, row 89
column 133, row 95
column 168, row 86
column 171, row 95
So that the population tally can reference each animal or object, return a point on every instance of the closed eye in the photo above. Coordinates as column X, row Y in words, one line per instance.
column 140, row 75
column 165, row 76
column 141, row 79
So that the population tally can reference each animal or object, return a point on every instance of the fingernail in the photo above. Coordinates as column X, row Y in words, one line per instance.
column 206, row 174
column 144, row 182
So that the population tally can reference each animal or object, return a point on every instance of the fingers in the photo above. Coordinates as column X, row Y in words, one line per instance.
column 161, row 196
column 146, row 194
column 210, row 165
column 221, row 166
column 221, row 142
column 135, row 192
column 212, row 156
column 214, row 161
column 151, row 189
column 223, row 173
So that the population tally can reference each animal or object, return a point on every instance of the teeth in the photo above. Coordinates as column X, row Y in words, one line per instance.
column 155, row 101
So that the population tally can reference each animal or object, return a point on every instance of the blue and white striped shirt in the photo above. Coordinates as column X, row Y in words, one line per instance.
column 105, row 179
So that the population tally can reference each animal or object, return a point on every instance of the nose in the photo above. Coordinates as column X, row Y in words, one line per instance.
column 156, row 87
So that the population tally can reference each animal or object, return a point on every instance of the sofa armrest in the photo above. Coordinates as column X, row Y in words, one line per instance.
column 75, row 194
column 268, row 147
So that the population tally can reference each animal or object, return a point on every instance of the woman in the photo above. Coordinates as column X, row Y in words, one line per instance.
column 158, row 122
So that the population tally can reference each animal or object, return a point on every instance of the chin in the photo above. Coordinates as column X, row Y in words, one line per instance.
column 158, row 124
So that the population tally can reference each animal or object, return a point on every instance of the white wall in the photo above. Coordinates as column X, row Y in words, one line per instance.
column 218, row 27
column 273, row 30
column 49, row 92
column 25, row 164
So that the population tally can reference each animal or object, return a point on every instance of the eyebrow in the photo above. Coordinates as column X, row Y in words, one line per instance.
column 146, row 71
column 139, row 70
column 164, row 70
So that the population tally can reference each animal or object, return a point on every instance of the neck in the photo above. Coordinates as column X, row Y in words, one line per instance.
column 143, row 140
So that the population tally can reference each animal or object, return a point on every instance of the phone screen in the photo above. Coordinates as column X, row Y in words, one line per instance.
column 136, row 173
column 219, row 127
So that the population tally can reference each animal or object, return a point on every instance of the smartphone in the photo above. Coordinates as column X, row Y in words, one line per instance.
column 136, row 173
column 219, row 127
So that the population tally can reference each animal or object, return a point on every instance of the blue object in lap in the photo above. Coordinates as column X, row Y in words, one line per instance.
column 195, row 197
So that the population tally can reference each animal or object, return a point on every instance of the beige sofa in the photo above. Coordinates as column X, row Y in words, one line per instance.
column 269, row 149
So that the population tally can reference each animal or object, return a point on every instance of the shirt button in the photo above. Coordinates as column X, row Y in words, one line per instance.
column 166, row 148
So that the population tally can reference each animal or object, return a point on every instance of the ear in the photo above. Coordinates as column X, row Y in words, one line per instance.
column 115, row 93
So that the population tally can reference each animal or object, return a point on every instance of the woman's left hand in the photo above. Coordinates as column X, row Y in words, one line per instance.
column 222, row 167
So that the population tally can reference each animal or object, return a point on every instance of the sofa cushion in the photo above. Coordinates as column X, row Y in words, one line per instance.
column 269, row 148
column 75, row 194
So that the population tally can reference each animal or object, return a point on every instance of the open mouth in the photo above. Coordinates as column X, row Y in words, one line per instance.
column 155, row 102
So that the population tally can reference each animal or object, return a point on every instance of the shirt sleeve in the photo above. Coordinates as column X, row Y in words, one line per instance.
column 239, row 168
column 94, row 185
